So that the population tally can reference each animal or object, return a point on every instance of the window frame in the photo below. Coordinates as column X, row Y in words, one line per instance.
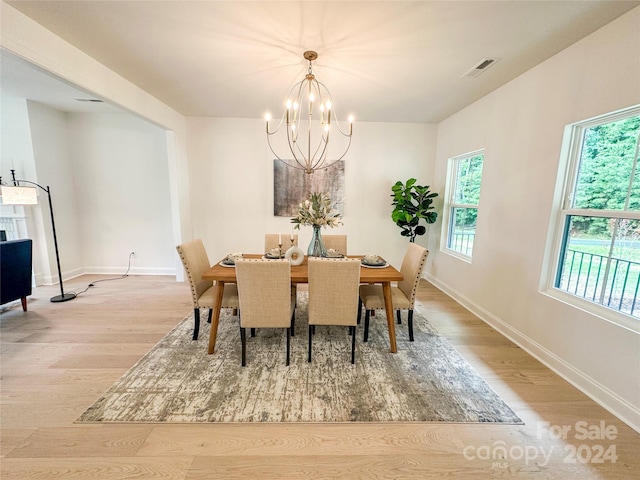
column 451, row 204
column 571, row 156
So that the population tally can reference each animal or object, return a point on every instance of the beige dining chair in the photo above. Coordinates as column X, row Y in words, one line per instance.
column 333, row 295
column 264, row 290
column 195, row 262
column 271, row 241
column 337, row 242
column 403, row 295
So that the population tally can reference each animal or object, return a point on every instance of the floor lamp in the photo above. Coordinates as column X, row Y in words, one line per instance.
column 21, row 195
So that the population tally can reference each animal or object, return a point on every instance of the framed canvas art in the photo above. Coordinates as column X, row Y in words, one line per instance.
column 291, row 186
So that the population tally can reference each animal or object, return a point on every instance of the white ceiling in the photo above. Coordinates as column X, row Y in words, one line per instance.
column 389, row 61
column 22, row 79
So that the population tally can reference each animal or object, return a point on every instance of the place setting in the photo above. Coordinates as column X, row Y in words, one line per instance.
column 274, row 254
column 230, row 260
column 371, row 260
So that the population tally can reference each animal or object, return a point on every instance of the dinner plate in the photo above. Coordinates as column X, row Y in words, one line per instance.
column 335, row 255
column 228, row 265
column 383, row 265
column 272, row 257
column 381, row 262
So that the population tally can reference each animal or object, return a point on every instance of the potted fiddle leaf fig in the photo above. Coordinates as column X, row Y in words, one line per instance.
column 412, row 203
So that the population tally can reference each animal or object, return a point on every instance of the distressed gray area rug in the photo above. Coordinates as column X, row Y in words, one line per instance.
column 177, row 381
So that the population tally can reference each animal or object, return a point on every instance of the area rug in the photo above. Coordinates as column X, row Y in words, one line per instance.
column 178, row 382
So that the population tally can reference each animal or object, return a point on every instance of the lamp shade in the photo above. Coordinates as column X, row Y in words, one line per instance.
column 19, row 195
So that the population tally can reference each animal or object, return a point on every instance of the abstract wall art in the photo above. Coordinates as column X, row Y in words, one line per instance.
column 291, row 186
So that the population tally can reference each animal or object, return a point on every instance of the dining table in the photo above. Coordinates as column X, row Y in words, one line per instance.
column 222, row 274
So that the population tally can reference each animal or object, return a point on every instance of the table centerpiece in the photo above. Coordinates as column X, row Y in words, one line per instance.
column 317, row 211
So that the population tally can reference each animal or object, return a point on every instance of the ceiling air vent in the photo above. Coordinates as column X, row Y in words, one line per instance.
column 480, row 67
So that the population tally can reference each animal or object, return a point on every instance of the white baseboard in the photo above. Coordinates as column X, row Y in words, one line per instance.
column 132, row 271
column 41, row 279
column 621, row 408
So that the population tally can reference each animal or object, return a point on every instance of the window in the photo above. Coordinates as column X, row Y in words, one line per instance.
column 599, row 228
column 465, row 174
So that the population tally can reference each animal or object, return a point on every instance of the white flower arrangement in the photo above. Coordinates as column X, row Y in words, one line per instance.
column 317, row 211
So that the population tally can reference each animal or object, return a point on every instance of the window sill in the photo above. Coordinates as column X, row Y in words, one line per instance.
column 607, row 314
column 456, row 254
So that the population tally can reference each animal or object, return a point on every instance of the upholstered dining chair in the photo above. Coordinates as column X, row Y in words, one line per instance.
column 333, row 295
column 271, row 241
column 195, row 261
column 403, row 295
column 337, row 242
column 264, row 290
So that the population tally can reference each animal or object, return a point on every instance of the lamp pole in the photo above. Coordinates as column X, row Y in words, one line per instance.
column 63, row 297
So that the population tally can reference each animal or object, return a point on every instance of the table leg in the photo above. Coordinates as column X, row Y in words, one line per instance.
column 388, row 306
column 217, row 303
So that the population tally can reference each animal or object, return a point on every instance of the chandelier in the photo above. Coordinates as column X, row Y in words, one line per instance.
column 308, row 120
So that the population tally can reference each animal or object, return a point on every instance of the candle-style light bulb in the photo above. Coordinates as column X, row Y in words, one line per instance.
column 350, row 124
column 295, row 111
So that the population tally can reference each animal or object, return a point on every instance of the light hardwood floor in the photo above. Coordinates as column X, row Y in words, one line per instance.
column 57, row 359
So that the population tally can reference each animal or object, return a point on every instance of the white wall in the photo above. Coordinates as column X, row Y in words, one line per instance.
column 109, row 180
column 121, row 181
column 231, row 180
column 521, row 128
column 53, row 168
column 16, row 153
column 27, row 39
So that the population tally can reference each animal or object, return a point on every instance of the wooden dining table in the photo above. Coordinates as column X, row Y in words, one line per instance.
column 300, row 274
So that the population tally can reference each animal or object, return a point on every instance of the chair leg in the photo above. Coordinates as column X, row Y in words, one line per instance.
column 293, row 324
column 196, row 323
column 366, row 325
column 359, row 310
column 210, row 315
column 253, row 332
column 353, row 347
column 288, row 344
column 310, row 340
column 23, row 300
column 352, row 330
column 410, row 322
column 243, row 340
column 399, row 317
